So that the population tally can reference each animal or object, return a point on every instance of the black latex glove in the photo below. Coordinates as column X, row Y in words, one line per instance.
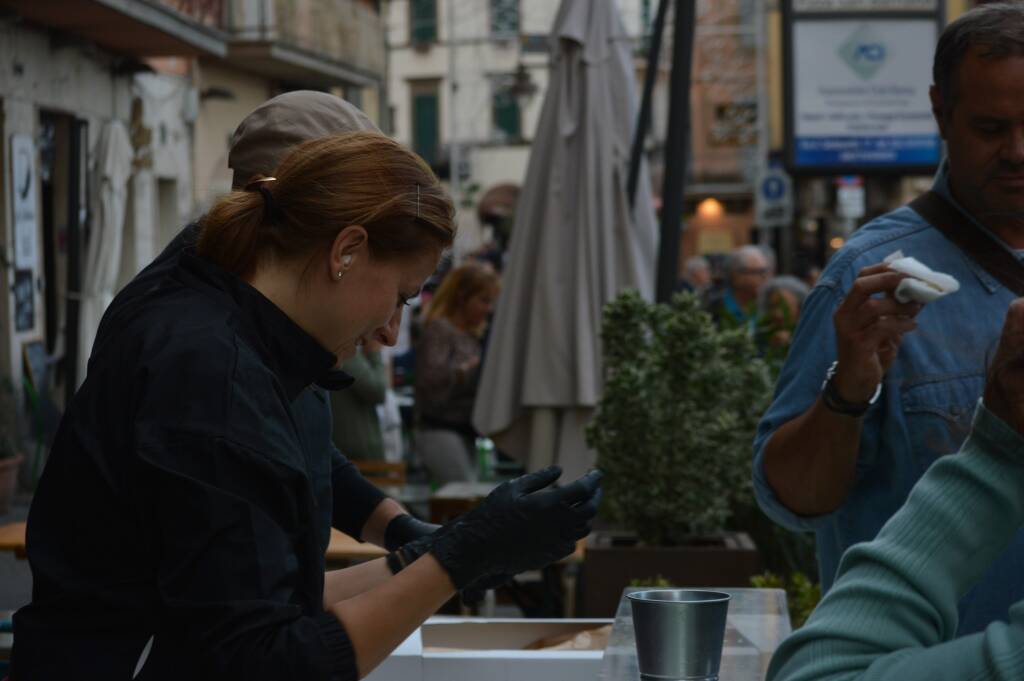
column 474, row 592
column 403, row 529
column 519, row 526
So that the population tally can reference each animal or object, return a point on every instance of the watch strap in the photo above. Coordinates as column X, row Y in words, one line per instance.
column 832, row 399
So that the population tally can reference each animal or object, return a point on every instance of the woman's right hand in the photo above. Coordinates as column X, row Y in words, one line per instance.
column 524, row 524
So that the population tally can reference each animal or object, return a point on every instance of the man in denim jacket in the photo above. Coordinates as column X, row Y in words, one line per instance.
column 838, row 456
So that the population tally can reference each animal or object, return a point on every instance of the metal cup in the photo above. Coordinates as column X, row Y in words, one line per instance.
column 679, row 633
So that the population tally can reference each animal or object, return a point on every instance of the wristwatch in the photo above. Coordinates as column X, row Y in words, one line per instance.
column 830, row 396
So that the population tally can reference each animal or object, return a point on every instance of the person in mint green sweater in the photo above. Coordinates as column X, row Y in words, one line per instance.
column 356, row 428
column 892, row 613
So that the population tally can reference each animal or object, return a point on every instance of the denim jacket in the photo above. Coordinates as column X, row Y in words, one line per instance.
column 924, row 411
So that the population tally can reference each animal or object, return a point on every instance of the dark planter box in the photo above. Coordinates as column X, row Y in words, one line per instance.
column 613, row 560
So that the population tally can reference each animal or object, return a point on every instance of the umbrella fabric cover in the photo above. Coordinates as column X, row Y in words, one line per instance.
column 574, row 247
column 103, row 259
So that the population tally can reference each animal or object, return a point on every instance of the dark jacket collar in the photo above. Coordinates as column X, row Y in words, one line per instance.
column 292, row 354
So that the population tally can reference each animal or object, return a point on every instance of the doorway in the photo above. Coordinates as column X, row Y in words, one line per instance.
column 63, row 141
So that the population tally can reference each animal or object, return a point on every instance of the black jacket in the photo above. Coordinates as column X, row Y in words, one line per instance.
column 181, row 500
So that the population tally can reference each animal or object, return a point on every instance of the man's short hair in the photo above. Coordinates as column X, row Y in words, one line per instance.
column 997, row 28
column 799, row 289
column 694, row 263
column 736, row 259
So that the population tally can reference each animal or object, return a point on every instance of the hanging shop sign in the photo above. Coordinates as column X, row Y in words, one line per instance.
column 24, row 301
column 23, row 192
column 857, row 79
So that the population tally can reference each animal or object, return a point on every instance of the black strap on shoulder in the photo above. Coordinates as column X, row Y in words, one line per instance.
column 980, row 246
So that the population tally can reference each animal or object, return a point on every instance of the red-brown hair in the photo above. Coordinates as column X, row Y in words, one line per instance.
column 324, row 185
column 458, row 287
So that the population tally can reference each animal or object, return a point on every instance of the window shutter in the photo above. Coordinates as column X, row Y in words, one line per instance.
column 504, row 18
column 424, row 21
column 425, row 126
column 506, row 114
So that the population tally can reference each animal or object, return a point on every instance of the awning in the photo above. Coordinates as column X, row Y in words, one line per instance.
column 141, row 28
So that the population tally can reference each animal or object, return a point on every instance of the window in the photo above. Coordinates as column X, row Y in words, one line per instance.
column 426, row 119
column 354, row 95
column 733, row 124
column 422, row 21
column 504, row 18
column 505, row 111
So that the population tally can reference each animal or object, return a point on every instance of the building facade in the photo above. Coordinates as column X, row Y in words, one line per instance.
column 472, row 74
column 116, row 118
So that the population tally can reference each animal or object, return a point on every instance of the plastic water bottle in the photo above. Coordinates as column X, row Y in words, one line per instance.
column 485, row 458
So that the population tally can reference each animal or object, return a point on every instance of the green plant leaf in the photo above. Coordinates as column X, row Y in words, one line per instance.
column 674, row 427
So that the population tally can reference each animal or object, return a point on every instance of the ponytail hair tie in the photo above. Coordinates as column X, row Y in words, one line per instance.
column 271, row 211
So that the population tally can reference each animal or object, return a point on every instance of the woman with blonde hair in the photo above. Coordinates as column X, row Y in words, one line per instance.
column 448, row 354
column 193, row 550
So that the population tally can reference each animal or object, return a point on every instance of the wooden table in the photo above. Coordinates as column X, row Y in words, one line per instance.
column 342, row 548
column 455, row 498
column 12, row 538
column 345, row 549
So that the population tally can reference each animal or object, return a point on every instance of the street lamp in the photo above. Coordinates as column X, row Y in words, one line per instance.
column 523, row 88
column 710, row 208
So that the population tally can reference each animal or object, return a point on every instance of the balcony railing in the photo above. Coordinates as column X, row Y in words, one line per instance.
column 346, row 31
column 205, row 12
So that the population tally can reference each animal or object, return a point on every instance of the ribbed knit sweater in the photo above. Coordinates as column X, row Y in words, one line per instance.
column 892, row 613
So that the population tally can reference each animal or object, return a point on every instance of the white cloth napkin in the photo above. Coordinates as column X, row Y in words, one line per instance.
column 923, row 284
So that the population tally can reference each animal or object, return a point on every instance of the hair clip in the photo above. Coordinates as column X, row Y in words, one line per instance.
column 271, row 211
column 255, row 184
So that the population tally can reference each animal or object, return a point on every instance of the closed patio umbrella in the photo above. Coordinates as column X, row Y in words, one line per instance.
column 575, row 245
column 103, row 259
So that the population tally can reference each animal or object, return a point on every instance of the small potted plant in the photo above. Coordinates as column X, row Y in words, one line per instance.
column 10, row 453
column 673, row 433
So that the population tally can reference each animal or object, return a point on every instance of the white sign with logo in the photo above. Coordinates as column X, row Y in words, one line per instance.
column 860, row 93
column 773, row 201
column 23, row 189
column 850, row 197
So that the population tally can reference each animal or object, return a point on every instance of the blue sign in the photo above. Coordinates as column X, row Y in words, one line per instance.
column 773, row 188
column 868, row 151
column 773, row 201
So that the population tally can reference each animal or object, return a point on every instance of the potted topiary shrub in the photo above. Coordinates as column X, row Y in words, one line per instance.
column 10, row 453
column 673, row 434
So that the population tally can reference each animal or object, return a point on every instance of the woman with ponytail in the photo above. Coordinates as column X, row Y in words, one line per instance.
column 191, row 551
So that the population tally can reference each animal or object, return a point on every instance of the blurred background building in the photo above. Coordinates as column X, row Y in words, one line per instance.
column 170, row 80
column 466, row 82
column 135, row 101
